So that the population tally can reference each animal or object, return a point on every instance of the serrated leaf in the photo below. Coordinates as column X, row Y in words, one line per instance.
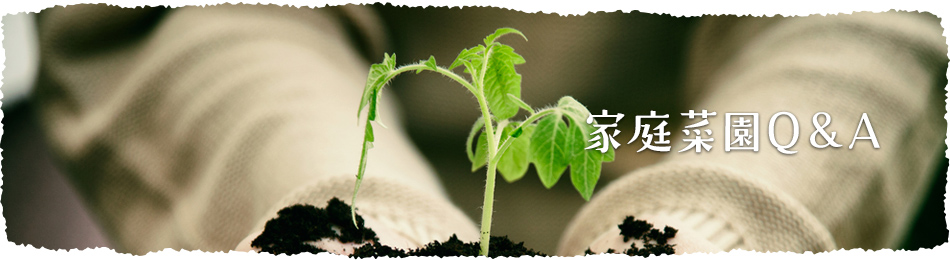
column 466, row 55
column 578, row 114
column 390, row 61
column 547, row 149
column 573, row 109
column 585, row 171
column 514, row 161
column 585, row 164
column 479, row 124
column 501, row 80
column 502, row 107
column 379, row 75
column 575, row 142
column 473, row 66
column 508, row 53
column 481, row 152
column 502, row 31
column 431, row 63
column 377, row 72
column 581, row 130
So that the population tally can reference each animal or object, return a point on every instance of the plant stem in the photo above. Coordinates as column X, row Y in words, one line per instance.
column 487, row 203
column 392, row 74
column 478, row 91
column 440, row 70
column 489, row 199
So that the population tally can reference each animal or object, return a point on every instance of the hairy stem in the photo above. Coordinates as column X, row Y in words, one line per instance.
column 493, row 143
column 481, row 78
column 488, row 201
column 440, row 70
column 487, row 204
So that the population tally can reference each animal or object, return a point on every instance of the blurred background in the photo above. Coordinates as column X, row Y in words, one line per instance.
column 40, row 206
column 42, row 209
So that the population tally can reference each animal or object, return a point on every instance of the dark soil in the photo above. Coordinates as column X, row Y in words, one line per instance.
column 298, row 224
column 654, row 240
column 500, row 246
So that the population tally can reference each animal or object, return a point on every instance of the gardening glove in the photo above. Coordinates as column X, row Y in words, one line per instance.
column 387, row 236
column 189, row 128
column 889, row 65
column 401, row 216
column 705, row 202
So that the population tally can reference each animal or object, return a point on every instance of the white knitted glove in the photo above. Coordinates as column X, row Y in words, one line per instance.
column 401, row 217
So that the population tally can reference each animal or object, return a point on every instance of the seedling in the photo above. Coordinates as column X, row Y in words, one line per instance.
column 552, row 138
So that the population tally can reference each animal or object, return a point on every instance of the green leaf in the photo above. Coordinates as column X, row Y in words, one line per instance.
column 368, row 135
column 379, row 75
column 368, row 139
column 514, row 161
column 498, row 102
column 501, row 80
column 479, row 124
column 578, row 114
column 575, row 140
column 548, row 149
column 466, row 55
column 518, row 131
column 581, row 130
column 369, row 97
column 609, row 155
column 507, row 53
column 481, row 152
column 520, row 103
column 431, row 63
column 374, row 106
column 377, row 72
column 585, row 171
column 472, row 67
column 502, row 31
column 575, row 110
column 585, row 164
